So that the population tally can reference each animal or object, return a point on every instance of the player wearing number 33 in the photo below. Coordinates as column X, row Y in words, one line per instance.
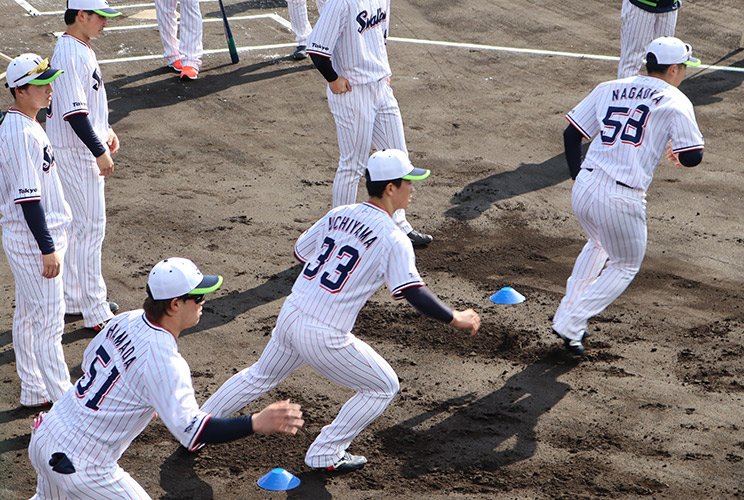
column 131, row 370
column 633, row 120
column 348, row 255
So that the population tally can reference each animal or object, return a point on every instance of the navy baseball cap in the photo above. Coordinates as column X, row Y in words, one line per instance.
column 391, row 164
column 176, row 277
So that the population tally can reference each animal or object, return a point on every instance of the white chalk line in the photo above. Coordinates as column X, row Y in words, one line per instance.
column 210, row 51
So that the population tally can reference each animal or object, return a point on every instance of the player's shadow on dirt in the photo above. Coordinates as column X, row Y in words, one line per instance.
column 179, row 480
column 126, row 98
column 480, row 195
column 705, row 86
column 224, row 309
column 480, row 434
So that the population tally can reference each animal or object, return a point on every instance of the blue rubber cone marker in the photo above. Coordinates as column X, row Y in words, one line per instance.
column 507, row 295
column 278, row 480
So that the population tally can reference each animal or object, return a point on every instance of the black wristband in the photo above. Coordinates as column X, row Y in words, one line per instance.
column 33, row 212
column 324, row 65
column 84, row 130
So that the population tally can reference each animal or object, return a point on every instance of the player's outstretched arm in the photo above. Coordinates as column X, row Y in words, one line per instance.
column 281, row 417
column 466, row 320
column 428, row 304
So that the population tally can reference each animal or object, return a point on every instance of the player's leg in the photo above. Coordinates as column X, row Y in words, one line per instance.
column 39, row 455
column 299, row 21
column 347, row 361
column 354, row 116
column 84, row 191
column 276, row 363
column 33, row 389
column 666, row 23
column 636, row 32
column 107, row 481
column 191, row 45
column 621, row 221
column 165, row 11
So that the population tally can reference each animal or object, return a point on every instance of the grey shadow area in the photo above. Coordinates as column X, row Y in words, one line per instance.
column 478, row 196
column 15, row 443
column 179, row 479
column 706, row 86
column 126, row 97
column 222, row 310
column 471, row 437
column 312, row 485
column 6, row 338
column 232, row 9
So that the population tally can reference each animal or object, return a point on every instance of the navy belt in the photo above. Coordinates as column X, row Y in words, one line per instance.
column 616, row 182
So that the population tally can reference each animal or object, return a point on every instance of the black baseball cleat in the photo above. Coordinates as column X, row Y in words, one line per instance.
column 348, row 463
column 420, row 239
column 300, row 53
column 575, row 347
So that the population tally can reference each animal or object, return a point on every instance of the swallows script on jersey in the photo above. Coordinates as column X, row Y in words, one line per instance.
column 366, row 22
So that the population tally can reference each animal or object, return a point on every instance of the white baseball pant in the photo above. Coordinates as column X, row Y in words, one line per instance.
column 85, row 289
column 637, row 29
column 38, row 321
column 614, row 219
column 368, row 115
column 90, row 479
column 190, row 47
column 298, row 19
column 296, row 340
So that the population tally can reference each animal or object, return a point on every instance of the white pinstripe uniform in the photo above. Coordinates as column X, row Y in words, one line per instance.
column 349, row 254
column 353, row 34
column 132, row 369
column 633, row 120
column 189, row 48
column 301, row 27
column 28, row 172
column 80, row 89
column 639, row 24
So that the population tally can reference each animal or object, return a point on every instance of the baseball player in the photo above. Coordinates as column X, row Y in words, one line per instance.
column 640, row 22
column 131, row 370
column 347, row 45
column 34, row 219
column 77, row 124
column 633, row 120
column 184, row 55
column 301, row 25
column 348, row 255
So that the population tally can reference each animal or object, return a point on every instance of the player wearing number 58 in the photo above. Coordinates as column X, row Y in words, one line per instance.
column 632, row 120
column 348, row 255
column 131, row 370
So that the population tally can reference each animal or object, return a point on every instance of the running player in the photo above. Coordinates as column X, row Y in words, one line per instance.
column 640, row 22
column 77, row 124
column 301, row 25
column 131, row 370
column 347, row 45
column 348, row 255
column 633, row 120
column 35, row 218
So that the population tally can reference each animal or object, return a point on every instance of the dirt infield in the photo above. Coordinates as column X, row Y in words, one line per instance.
column 229, row 169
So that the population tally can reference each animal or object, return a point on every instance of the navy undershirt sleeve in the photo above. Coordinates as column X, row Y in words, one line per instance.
column 84, row 130
column 222, row 430
column 324, row 65
column 572, row 145
column 691, row 158
column 428, row 304
column 33, row 212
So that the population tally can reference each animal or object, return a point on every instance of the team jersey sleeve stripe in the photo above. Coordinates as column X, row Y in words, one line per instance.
column 397, row 293
column 195, row 444
column 319, row 53
column 79, row 111
column 578, row 127
column 688, row 148
column 27, row 198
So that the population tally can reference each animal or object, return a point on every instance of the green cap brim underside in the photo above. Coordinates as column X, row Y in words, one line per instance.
column 420, row 177
column 107, row 12
column 42, row 80
column 208, row 287
column 693, row 63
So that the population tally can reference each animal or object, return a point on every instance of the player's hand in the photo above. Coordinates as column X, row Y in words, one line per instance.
column 466, row 320
column 51, row 265
column 672, row 156
column 340, row 85
column 113, row 141
column 281, row 417
column 105, row 164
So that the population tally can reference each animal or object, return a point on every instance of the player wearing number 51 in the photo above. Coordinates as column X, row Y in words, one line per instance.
column 633, row 120
column 348, row 255
column 131, row 370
